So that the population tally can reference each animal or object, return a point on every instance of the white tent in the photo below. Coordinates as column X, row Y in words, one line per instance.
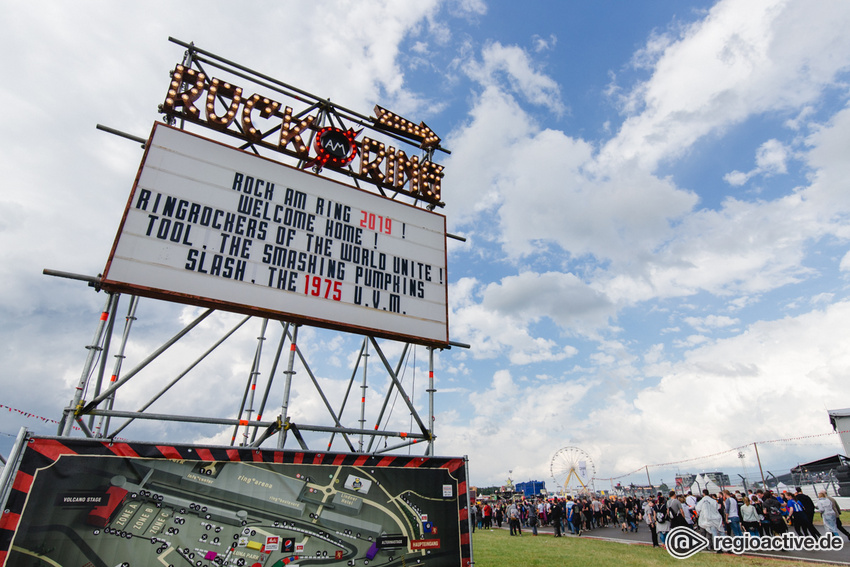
column 701, row 483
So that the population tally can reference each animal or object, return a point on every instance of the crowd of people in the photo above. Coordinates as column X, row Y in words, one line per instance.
column 760, row 513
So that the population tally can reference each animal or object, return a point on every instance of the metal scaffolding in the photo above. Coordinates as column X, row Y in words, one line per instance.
column 94, row 416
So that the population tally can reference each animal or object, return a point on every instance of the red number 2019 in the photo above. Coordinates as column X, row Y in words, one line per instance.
column 377, row 223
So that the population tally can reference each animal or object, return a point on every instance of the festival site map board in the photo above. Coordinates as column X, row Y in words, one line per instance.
column 96, row 503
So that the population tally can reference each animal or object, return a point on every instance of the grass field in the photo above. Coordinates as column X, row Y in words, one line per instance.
column 496, row 548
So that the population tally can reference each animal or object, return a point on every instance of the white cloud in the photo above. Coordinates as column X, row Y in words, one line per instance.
column 544, row 43
column 469, row 7
column 538, row 180
column 524, row 417
column 744, row 58
column 844, row 266
column 719, row 387
column 771, row 159
column 561, row 297
column 498, row 330
column 500, row 63
column 705, row 324
column 552, row 193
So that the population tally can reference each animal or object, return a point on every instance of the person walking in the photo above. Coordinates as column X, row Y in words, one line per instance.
column 513, row 519
column 687, row 511
column 733, row 516
column 807, row 503
column 662, row 519
column 533, row 521
column 750, row 518
column 577, row 515
column 773, row 512
column 837, row 509
column 674, row 508
column 555, row 517
column 622, row 517
column 802, row 524
column 827, row 512
column 569, row 515
column 488, row 516
column 709, row 516
column 649, row 518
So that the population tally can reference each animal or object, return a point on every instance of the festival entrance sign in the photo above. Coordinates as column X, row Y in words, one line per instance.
column 211, row 225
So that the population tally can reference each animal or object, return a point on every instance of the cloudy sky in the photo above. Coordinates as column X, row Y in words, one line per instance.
column 654, row 198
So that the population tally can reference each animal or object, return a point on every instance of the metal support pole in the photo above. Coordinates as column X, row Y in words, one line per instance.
column 363, row 396
column 84, row 428
column 92, row 404
column 743, row 481
column 103, row 422
column 188, row 369
column 431, row 391
column 398, row 385
column 389, row 394
column 647, row 477
column 357, row 431
column 67, row 422
column 468, row 507
column 284, row 408
column 348, row 391
column 177, row 418
column 321, row 394
column 395, row 447
column 763, row 484
column 273, row 371
column 255, row 371
column 775, row 480
column 15, row 456
column 101, row 367
column 241, row 411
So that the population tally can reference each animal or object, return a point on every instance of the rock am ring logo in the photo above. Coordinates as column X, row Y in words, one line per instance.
column 335, row 146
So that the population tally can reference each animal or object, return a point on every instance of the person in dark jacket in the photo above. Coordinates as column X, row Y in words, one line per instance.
column 555, row 517
column 773, row 512
column 808, row 504
column 800, row 520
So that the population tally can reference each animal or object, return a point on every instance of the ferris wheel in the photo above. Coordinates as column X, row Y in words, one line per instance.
column 572, row 469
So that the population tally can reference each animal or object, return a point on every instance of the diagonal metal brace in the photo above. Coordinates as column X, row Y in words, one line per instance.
column 270, row 430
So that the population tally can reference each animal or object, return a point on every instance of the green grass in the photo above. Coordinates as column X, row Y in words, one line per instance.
column 496, row 548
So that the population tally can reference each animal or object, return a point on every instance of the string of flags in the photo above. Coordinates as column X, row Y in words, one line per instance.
column 645, row 467
column 32, row 415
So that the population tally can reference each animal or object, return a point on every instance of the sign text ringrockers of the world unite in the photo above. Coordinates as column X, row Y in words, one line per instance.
column 210, row 225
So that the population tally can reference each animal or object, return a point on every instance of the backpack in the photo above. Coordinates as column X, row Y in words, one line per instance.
column 773, row 511
column 661, row 514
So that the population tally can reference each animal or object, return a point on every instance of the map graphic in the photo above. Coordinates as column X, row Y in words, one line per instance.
column 99, row 504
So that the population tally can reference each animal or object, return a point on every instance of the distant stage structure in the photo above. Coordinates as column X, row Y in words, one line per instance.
column 572, row 469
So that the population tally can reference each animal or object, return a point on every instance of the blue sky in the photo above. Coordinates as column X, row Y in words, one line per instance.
column 653, row 196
